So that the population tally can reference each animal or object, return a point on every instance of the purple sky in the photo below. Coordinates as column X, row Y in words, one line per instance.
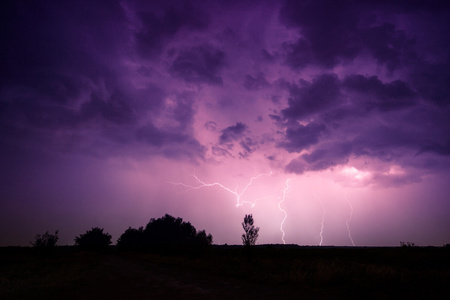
column 115, row 112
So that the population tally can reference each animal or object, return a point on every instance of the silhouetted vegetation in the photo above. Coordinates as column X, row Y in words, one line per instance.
column 132, row 239
column 251, row 232
column 407, row 245
column 45, row 241
column 93, row 240
column 165, row 235
column 227, row 272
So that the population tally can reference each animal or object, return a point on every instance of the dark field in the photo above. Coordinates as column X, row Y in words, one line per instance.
column 227, row 272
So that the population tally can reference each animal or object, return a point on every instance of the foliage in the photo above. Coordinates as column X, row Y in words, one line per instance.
column 93, row 240
column 46, row 240
column 251, row 232
column 131, row 239
column 407, row 244
column 166, row 234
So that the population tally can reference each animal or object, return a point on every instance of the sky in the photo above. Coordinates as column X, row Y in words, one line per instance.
column 328, row 121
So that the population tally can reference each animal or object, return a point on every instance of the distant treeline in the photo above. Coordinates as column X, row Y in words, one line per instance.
column 164, row 235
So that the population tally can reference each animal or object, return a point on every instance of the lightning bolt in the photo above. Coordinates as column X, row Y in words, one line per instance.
column 238, row 196
column 323, row 219
column 349, row 219
column 286, row 189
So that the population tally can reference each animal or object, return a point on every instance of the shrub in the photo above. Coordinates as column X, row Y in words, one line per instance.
column 165, row 235
column 93, row 240
column 407, row 244
column 131, row 239
column 169, row 232
column 46, row 240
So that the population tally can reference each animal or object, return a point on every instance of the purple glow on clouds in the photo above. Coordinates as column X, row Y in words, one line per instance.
column 103, row 104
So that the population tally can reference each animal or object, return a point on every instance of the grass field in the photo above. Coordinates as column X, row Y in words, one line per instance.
column 228, row 272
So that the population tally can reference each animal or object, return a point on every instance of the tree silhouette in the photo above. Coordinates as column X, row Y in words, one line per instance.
column 45, row 241
column 251, row 232
column 165, row 235
column 131, row 239
column 171, row 234
column 93, row 240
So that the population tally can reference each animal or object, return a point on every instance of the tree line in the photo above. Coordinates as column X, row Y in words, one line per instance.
column 163, row 235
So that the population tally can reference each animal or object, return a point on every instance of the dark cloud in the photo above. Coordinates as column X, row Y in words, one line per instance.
column 301, row 137
column 46, row 45
column 50, row 61
column 328, row 155
column 312, row 97
column 440, row 147
column 266, row 56
column 170, row 144
column 335, row 32
column 320, row 159
column 297, row 166
column 220, row 151
column 233, row 133
column 62, row 84
column 374, row 94
column 329, row 30
column 331, row 100
column 431, row 81
column 200, row 64
column 164, row 21
column 61, row 75
column 388, row 46
column 430, row 129
column 114, row 109
column 32, row 109
column 350, row 105
column 384, row 142
column 391, row 142
column 50, row 117
column 299, row 54
column 153, row 136
column 255, row 83
column 248, row 146
column 395, row 180
column 232, row 136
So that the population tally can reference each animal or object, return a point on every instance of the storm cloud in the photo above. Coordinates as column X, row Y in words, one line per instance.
column 132, row 92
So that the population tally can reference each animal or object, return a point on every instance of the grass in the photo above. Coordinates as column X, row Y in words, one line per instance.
column 226, row 272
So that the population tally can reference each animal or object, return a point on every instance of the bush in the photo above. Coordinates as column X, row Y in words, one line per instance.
column 170, row 233
column 131, row 239
column 407, row 245
column 93, row 240
column 165, row 235
column 45, row 241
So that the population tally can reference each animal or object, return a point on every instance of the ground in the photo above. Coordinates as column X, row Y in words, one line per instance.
column 269, row 272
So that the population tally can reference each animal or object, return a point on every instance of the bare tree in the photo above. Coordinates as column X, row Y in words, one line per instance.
column 251, row 232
